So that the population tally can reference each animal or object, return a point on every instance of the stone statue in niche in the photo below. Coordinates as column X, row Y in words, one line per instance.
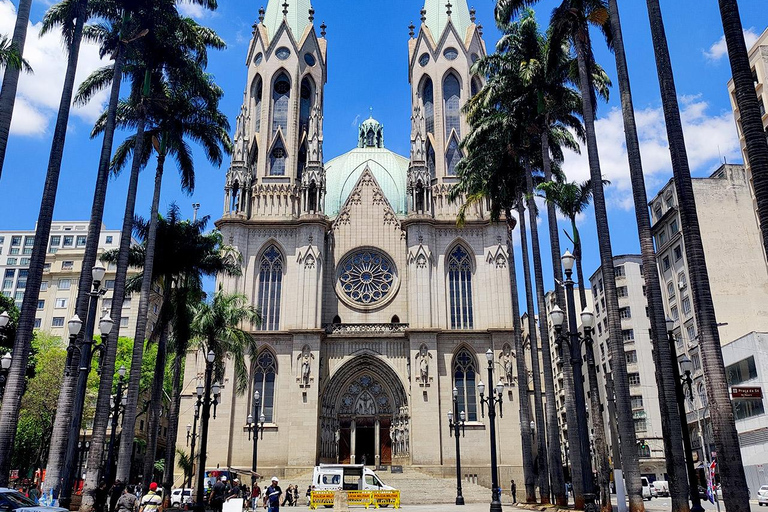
column 508, row 364
column 423, row 363
column 365, row 405
column 305, row 366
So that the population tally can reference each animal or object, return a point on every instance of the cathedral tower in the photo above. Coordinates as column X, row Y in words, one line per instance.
column 440, row 58
column 277, row 165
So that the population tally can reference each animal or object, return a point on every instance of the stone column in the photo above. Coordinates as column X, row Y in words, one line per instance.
column 352, row 436
column 377, row 440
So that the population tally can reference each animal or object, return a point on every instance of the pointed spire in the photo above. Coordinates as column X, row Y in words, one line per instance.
column 285, row 9
column 411, row 30
column 322, row 29
column 472, row 14
column 438, row 13
column 448, row 8
column 311, row 15
column 261, row 14
column 423, row 15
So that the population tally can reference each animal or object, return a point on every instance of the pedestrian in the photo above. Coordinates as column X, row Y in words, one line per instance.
column 513, row 488
column 309, row 495
column 255, row 495
column 235, row 491
column 295, row 495
column 127, row 501
column 100, row 496
column 152, row 501
column 114, row 494
column 217, row 494
column 288, row 496
column 272, row 496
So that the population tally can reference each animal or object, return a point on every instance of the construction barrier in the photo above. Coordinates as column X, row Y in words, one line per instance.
column 385, row 498
column 361, row 498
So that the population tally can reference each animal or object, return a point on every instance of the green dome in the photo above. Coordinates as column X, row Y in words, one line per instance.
column 343, row 172
column 297, row 17
column 437, row 17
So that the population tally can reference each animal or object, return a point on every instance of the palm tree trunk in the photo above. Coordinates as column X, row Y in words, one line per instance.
column 15, row 384
column 735, row 491
column 156, row 401
column 555, row 462
column 522, row 370
column 173, row 423
column 10, row 86
column 103, row 402
column 624, row 418
column 132, row 404
column 671, row 420
column 535, row 367
column 746, row 100
column 557, row 269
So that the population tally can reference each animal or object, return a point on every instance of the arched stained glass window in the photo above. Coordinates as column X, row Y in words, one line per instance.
column 431, row 160
column 277, row 160
column 305, row 105
column 264, row 375
column 452, row 156
column 464, row 379
column 452, row 100
column 460, row 288
column 428, row 97
column 256, row 92
column 270, row 288
column 280, row 99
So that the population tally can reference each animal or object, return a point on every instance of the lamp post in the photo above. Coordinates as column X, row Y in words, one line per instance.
column 192, row 434
column 209, row 397
column 258, row 431
column 494, row 398
column 574, row 340
column 5, row 364
column 118, row 403
column 680, row 382
column 456, row 427
column 85, row 351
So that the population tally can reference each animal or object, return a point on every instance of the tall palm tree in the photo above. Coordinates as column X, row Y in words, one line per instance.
column 10, row 58
column 735, row 491
column 72, row 33
column 8, row 95
column 671, row 421
column 749, row 109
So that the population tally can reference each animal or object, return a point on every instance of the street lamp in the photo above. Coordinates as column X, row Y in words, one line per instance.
column 680, row 383
column 574, row 339
column 258, row 431
column 84, row 349
column 5, row 364
column 209, row 397
column 192, row 432
column 453, row 428
column 118, row 404
column 495, row 397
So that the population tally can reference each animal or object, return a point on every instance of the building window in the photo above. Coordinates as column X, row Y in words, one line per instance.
column 24, row 262
column 675, row 313
column 636, row 401
column 744, row 408
column 464, row 379
column 682, row 283
column 600, row 285
column 44, row 286
column 621, row 291
column 691, row 331
column 109, row 239
column 14, row 251
column 109, row 284
column 460, row 288
column 12, row 261
column 428, row 97
column 452, row 156
column 256, row 93
column 625, row 312
column 67, row 265
column 61, row 303
column 81, row 241
column 270, row 288
column 643, row 450
column 280, row 100
column 15, row 240
column 640, row 425
column 673, row 226
column 123, row 321
column 628, row 335
column 58, row 321
column 671, row 290
column 452, row 102
column 631, row 356
column 678, row 253
column 687, row 306
column 634, row 379
column 277, row 160
column 69, row 241
column 679, row 340
column 742, row 371
column 662, row 238
column 665, row 263
column 55, row 241
column 21, row 283
column 264, row 382
column 65, row 284
column 619, row 271
column 38, row 323
column 46, row 267
column 696, row 361
column 40, row 304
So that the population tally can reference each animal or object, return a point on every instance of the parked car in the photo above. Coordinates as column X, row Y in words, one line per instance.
column 180, row 497
column 762, row 495
column 661, row 487
column 11, row 499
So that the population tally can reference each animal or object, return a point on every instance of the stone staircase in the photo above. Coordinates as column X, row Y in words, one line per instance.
column 417, row 488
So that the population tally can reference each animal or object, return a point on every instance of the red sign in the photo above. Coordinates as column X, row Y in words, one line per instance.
column 747, row 392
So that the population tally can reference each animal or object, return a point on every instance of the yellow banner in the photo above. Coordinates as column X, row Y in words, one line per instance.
column 324, row 498
column 364, row 498
column 386, row 498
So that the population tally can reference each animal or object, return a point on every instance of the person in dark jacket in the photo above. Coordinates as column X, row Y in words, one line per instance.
column 114, row 494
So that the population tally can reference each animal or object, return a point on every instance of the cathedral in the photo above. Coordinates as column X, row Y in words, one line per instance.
column 376, row 308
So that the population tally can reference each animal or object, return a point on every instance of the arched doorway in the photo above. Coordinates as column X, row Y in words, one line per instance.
column 364, row 415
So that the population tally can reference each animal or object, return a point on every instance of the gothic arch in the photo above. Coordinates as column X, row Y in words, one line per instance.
column 427, row 96
column 356, row 368
column 460, row 241
column 269, row 269
column 257, row 102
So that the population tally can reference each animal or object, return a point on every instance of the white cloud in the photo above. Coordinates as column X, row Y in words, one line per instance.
column 720, row 49
column 708, row 139
column 195, row 11
column 39, row 93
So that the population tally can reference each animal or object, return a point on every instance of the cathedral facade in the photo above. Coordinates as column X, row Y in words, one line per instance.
column 375, row 305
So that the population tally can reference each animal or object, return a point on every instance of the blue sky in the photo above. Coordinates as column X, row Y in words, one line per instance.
column 367, row 54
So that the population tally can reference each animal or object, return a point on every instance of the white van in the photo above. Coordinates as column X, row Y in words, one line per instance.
column 647, row 494
column 347, row 477
column 661, row 488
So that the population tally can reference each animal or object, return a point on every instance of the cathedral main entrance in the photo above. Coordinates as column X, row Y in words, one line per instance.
column 365, row 415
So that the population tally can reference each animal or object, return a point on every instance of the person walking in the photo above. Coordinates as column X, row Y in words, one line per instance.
column 115, row 493
column 255, row 495
column 513, row 488
column 101, row 495
column 127, row 502
column 217, row 494
column 272, row 496
column 152, row 501
column 288, row 496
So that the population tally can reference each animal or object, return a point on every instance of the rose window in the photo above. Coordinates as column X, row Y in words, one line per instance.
column 367, row 277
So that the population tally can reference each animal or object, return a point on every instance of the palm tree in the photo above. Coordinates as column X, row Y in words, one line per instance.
column 749, row 109
column 735, row 491
column 72, row 32
column 7, row 102
column 10, row 58
column 671, row 420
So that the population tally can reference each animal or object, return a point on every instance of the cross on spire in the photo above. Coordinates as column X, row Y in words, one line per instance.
column 448, row 8
column 285, row 8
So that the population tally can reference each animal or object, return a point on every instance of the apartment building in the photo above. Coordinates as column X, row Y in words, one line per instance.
column 638, row 350
column 738, row 276
column 758, row 60
column 63, row 263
